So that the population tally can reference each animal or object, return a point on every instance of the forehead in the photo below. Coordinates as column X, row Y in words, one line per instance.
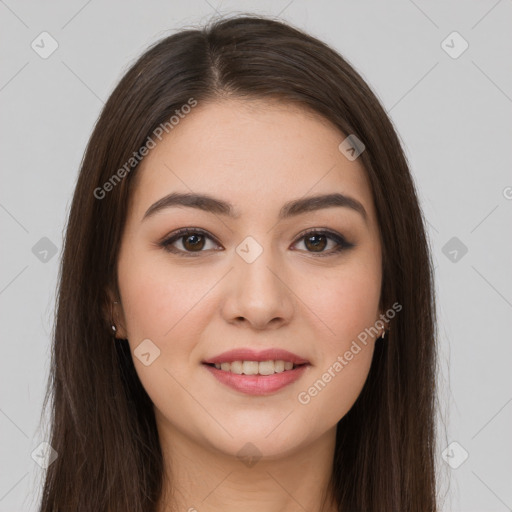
column 250, row 152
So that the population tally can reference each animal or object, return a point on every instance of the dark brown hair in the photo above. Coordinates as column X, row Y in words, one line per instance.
column 102, row 421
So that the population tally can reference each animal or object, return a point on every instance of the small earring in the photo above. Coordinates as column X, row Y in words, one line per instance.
column 383, row 334
column 113, row 325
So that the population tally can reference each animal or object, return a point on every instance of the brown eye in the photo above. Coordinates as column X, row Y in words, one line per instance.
column 316, row 243
column 193, row 242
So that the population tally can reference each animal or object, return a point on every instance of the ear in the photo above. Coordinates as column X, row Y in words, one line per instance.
column 113, row 313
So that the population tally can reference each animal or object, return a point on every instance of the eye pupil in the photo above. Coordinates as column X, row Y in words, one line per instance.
column 317, row 244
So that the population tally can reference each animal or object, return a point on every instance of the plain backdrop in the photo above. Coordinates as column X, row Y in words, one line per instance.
column 441, row 70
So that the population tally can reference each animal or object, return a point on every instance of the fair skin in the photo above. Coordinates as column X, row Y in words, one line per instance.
column 258, row 156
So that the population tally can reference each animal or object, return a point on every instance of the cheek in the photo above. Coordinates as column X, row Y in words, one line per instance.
column 158, row 302
column 347, row 304
column 165, row 307
column 345, row 307
column 333, row 390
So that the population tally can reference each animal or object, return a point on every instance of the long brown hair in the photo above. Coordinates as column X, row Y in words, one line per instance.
column 102, row 421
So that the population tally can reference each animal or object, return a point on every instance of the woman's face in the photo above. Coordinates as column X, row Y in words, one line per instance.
column 254, row 281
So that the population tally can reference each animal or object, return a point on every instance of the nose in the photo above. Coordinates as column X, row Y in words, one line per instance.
column 258, row 294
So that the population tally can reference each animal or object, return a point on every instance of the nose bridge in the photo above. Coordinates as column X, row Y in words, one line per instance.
column 254, row 263
column 259, row 294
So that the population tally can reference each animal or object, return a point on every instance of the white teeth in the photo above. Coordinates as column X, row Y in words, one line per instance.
column 235, row 367
column 279, row 366
column 255, row 367
column 250, row 367
column 266, row 367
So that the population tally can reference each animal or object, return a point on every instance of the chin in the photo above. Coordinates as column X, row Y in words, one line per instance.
column 257, row 444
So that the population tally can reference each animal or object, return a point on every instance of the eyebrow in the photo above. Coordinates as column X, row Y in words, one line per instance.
column 290, row 209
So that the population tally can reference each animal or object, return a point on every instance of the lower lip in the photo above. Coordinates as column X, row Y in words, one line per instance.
column 257, row 384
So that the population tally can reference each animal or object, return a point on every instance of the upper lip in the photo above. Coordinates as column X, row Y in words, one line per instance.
column 248, row 354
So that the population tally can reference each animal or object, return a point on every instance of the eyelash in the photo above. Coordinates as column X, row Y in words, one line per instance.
column 166, row 244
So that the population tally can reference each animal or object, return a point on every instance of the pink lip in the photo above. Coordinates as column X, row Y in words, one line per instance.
column 247, row 354
column 257, row 384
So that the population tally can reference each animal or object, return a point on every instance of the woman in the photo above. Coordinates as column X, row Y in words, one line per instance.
column 246, row 311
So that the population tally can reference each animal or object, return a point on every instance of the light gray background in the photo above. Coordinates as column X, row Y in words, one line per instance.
column 453, row 116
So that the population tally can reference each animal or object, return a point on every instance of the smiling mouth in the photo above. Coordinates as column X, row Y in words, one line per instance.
column 256, row 367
